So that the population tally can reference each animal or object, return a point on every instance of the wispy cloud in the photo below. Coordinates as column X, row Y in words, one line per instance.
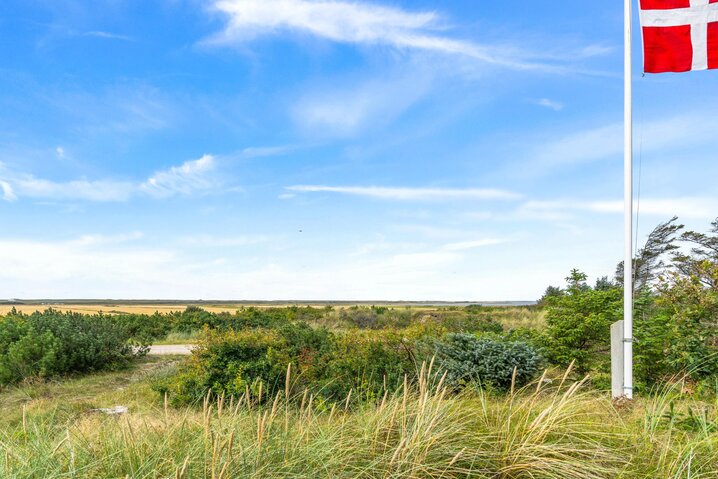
column 268, row 151
column 191, row 177
column 349, row 109
column 665, row 134
column 107, row 35
column 548, row 103
column 474, row 244
column 97, row 239
column 580, row 147
column 356, row 23
column 102, row 190
column 132, row 107
column 419, row 194
column 683, row 207
column 226, row 241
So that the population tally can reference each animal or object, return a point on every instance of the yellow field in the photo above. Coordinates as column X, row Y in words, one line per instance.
column 114, row 308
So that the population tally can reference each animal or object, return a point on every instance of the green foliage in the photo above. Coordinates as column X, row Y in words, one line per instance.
column 579, row 322
column 367, row 364
column 53, row 343
column 682, row 335
column 332, row 365
column 225, row 363
column 144, row 328
column 329, row 365
column 491, row 362
column 551, row 292
column 675, row 311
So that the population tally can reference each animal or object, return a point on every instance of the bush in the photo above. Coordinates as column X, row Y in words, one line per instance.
column 144, row 328
column 53, row 343
column 679, row 335
column 367, row 364
column 229, row 363
column 376, row 317
column 491, row 362
column 579, row 323
column 326, row 364
column 232, row 363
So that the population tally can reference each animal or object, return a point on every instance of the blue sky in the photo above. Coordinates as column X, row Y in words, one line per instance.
column 300, row 149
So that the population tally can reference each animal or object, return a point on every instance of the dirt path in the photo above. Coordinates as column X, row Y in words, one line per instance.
column 171, row 350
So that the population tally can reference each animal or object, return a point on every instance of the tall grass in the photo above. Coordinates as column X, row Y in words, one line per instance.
column 423, row 430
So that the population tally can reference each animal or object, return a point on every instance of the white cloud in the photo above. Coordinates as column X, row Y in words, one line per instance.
column 130, row 108
column 683, row 207
column 666, row 134
column 121, row 266
column 595, row 50
column 550, row 104
column 474, row 244
column 82, row 259
column 353, row 23
column 267, row 151
column 107, row 35
column 332, row 111
column 581, row 147
column 189, row 177
column 102, row 190
column 418, row 194
column 226, row 241
column 431, row 231
column 8, row 194
column 92, row 240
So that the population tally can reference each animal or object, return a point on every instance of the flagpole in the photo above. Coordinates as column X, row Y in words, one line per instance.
column 628, row 205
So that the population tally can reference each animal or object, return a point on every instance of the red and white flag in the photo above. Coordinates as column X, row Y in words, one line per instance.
column 679, row 35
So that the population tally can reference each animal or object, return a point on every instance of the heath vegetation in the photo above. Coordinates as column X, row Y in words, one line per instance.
column 403, row 392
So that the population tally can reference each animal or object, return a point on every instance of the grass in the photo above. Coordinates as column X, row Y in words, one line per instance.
column 517, row 317
column 561, row 430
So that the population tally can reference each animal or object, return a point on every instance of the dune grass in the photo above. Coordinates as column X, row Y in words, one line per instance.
column 558, row 430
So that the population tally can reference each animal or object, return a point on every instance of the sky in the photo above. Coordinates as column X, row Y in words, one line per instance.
column 460, row 150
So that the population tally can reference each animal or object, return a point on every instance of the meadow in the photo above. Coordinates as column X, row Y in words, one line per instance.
column 560, row 430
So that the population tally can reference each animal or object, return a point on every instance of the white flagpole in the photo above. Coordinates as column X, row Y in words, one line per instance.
column 628, row 204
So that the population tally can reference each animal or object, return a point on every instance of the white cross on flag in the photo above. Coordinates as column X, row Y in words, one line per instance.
column 679, row 35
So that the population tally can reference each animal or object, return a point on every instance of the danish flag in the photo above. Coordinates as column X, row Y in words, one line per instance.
column 679, row 35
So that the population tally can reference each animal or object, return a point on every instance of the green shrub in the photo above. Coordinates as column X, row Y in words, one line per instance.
column 143, row 327
column 579, row 323
column 361, row 317
column 367, row 364
column 328, row 365
column 491, row 362
column 679, row 333
column 52, row 343
column 228, row 363
column 232, row 363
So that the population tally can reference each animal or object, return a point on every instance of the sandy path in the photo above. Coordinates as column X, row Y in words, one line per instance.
column 171, row 349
